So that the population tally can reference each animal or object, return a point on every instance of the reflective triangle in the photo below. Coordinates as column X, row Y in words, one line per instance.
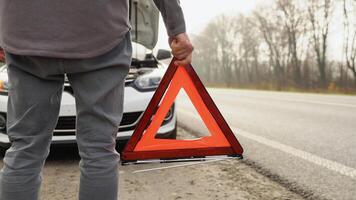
column 144, row 145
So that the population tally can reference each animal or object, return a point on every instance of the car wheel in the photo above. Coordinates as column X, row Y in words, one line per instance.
column 173, row 134
column 3, row 150
column 120, row 145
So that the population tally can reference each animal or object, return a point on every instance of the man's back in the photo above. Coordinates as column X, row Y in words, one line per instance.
column 63, row 28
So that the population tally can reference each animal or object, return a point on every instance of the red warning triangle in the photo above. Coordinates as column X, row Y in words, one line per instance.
column 143, row 144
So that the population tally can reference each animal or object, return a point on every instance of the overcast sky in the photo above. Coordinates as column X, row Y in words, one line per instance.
column 199, row 12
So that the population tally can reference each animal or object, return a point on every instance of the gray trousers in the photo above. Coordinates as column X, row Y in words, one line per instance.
column 36, row 85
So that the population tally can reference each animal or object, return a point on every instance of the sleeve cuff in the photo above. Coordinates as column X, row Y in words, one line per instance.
column 177, row 30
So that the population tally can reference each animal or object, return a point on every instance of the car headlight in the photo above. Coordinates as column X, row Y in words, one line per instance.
column 147, row 82
column 4, row 86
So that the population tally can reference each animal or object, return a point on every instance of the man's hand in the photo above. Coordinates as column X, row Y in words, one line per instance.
column 182, row 49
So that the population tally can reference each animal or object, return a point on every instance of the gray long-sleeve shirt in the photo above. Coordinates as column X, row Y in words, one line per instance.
column 73, row 28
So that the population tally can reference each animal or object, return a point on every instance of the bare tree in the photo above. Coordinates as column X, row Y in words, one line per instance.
column 225, row 42
column 281, row 45
column 293, row 19
column 350, row 36
column 204, row 56
column 270, row 28
column 215, row 48
column 250, row 43
column 319, row 14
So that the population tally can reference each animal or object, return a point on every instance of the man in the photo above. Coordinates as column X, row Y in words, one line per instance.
column 89, row 40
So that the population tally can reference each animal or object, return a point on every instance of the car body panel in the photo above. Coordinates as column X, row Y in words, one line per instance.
column 135, row 102
column 71, row 139
column 145, row 31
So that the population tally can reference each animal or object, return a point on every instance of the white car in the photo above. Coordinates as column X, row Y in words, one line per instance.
column 144, row 76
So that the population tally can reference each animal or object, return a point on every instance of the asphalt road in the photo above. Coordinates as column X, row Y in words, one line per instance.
column 306, row 141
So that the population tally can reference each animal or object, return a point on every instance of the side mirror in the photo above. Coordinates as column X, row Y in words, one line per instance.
column 163, row 54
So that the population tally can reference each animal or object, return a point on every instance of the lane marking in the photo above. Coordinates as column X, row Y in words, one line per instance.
column 328, row 164
column 301, row 101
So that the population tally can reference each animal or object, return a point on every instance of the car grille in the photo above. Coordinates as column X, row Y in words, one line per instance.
column 130, row 118
column 67, row 123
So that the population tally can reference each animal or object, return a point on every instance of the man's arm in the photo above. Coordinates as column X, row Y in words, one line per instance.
column 174, row 21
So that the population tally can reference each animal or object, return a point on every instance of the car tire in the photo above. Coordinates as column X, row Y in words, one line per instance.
column 3, row 150
column 173, row 134
column 120, row 145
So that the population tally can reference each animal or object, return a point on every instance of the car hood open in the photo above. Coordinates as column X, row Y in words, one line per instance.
column 144, row 18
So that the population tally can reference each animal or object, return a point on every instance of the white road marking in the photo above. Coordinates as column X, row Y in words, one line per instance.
column 328, row 164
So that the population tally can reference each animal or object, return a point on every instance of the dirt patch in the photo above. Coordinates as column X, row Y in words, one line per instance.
column 229, row 180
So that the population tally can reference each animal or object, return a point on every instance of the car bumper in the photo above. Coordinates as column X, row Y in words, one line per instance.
column 163, row 132
column 134, row 104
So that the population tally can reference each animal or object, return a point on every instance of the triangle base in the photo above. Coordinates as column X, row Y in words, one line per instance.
column 177, row 153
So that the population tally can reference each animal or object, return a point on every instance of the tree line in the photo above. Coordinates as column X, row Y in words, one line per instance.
column 280, row 46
